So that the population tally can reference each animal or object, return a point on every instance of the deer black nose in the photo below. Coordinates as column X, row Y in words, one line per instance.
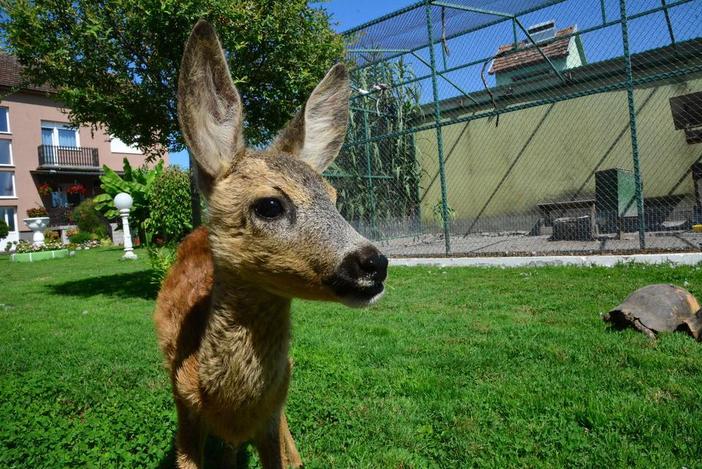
column 358, row 280
column 363, row 263
column 374, row 263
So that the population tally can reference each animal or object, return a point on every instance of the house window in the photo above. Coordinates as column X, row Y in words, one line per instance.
column 9, row 215
column 7, row 184
column 59, row 135
column 543, row 31
column 5, row 153
column 4, row 120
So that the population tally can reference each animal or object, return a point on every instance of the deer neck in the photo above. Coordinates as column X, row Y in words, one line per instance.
column 246, row 343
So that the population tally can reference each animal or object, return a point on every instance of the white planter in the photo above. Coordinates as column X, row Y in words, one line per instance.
column 37, row 225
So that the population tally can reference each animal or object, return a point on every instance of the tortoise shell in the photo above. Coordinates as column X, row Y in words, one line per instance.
column 659, row 308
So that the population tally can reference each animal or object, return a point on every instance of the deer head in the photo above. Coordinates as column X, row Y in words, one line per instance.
column 272, row 217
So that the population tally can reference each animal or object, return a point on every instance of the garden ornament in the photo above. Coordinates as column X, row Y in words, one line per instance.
column 123, row 203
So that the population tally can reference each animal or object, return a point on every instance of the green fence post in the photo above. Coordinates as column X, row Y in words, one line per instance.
column 369, row 172
column 668, row 23
column 632, row 125
column 439, row 133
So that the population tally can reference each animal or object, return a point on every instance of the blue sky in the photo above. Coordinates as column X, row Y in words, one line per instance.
column 350, row 13
column 646, row 32
column 345, row 14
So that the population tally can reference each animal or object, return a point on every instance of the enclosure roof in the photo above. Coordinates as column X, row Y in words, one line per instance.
column 528, row 54
column 407, row 28
column 11, row 75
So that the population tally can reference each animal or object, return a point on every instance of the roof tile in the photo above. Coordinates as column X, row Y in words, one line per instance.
column 11, row 75
column 527, row 54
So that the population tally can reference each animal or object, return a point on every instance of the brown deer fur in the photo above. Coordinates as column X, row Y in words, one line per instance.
column 223, row 313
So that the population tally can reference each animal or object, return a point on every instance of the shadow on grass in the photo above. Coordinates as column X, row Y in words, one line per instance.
column 128, row 285
column 216, row 454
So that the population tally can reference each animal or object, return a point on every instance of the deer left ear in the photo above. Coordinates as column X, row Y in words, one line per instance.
column 209, row 105
column 316, row 133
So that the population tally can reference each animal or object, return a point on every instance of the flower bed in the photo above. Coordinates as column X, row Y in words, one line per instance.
column 23, row 251
column 23, row 246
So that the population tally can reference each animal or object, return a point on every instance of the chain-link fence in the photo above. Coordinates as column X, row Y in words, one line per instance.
column 526, row 127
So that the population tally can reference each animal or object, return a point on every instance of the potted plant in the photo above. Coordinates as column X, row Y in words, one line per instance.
column 37, row 220
column 37, row 212
column 75, row 193
column 45, row 190
column 77, row 189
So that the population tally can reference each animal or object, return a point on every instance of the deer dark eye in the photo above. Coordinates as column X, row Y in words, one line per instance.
column 268, row 207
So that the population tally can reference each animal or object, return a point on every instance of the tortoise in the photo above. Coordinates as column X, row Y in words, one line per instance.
column 659, row 308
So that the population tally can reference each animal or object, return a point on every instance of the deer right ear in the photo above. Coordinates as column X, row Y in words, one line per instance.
column 316, row 133
column 209, row 105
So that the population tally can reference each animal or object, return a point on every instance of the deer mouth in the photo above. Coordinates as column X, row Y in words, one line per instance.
column 357, row 294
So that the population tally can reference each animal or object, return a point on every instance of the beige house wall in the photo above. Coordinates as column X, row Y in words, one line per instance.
column 26, row 112
column 550, row 153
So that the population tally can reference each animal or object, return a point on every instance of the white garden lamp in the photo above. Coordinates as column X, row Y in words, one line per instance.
column 123, row 202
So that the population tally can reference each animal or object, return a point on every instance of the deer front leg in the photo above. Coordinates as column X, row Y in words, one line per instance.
column 291, row 458
column 269, row 444
column 190, row 439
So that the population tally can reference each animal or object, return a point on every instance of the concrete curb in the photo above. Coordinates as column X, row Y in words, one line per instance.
column 541, row 261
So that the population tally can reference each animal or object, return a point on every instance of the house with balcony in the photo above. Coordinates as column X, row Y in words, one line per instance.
column 44, row 161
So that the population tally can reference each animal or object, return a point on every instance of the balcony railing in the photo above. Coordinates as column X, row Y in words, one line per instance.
column 52, row 156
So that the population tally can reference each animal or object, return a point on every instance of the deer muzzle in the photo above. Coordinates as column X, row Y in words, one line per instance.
column 358, row 281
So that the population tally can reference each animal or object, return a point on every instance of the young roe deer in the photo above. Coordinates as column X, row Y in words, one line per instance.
column 223, row 314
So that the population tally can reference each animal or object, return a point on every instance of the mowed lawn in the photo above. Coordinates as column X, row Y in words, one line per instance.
column 454, row 368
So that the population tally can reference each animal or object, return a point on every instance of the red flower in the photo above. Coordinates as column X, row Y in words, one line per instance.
column 77, row 189
column 45, row 189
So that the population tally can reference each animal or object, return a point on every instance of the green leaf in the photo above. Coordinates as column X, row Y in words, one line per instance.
column 116, row 61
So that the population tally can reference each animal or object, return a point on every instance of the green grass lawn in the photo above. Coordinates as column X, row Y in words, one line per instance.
column 454, row 368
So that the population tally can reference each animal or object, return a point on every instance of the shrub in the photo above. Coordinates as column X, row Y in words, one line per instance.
column 82, row 237
column 37, row 212
column 171, row 213
column 4, row 229
column 51, row 235
column 162, row 258
column 89, row 219
column 138, row 183
column 438, row 213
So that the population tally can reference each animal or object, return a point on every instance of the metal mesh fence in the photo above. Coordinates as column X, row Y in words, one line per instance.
column 526, row 127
